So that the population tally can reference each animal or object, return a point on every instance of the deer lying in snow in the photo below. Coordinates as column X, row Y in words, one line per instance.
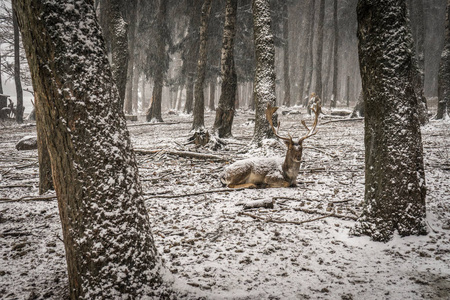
column 270, row 172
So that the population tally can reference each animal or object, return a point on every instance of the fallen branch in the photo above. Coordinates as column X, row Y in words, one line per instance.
column 15, row 234
column 153, row 124
column 15, row 186
column 195, row 194
column 311, row 211
column 28, row 198
column 284, row 221
column 342, row 120
column 182, row 154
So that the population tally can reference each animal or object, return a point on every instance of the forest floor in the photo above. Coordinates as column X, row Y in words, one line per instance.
column 213, row 248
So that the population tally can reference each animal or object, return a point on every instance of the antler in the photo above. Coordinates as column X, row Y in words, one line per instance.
column 313, row 130
column 269, row 115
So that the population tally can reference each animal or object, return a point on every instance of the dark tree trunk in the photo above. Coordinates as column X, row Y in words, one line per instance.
column 286, row 79
column 395, row 179
column 19, row 91
column 189, row 95
column 119, row 46
column 308, row 59
column 264, row 82
column 45, row 168
column 106, row 228
column 226, row 105
column 319, row 51
column 132, row 7
column 154, row 113
column 444, row 73
column 335, row 55
column 212, row 95
column 3, row 99
column 199, row 105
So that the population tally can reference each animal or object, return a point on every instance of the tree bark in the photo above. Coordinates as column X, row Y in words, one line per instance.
column 335, row 55
column 443, row 110
column 119, row 46
column 319, row 51
column 128, row 103
column 106, row 229
column 199, row 103
column 286, row 77
column 308, row 58
column 45, row 168
column 19, row 91
column 264, row 82
column 3, row 99
column 212, row 94
column 395, row 178
column 226, row 106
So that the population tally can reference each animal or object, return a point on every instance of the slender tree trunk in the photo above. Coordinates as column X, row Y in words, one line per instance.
column 154, row 113
column 444, row 73
column 319, row 52
column 189, row 95
column 3, row 99
column 106, row 228
column 264, row 86
column 226, row 106
column 199, row 104
column 19, row 91
column 119, row 46
column 212, row 94
column 395, row 177
column 128, row 106
column 134, row 90
column 334, row 93
column 286, row 79
column 308, row 59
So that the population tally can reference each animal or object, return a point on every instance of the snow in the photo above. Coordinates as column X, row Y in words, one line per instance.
column 213, row 248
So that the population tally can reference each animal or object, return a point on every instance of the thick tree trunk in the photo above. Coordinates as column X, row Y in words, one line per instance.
column 19, row 91
column 319, row 51
column 444, row 73
column 286, row 77
column 106, row 229
column 395, row 178
column 119, row 46
column 334, row 93
column 264, row 82
column 226, row 105
column 199, row 104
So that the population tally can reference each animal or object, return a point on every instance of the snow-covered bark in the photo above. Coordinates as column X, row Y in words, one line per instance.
column 199, row 103
column 106, row 229
column 444, row 72
column 45, row 168
column 264, row 82
column 225, row 109
column 395, row 180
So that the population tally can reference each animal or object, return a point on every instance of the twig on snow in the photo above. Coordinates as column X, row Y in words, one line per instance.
column 28, row 198
column 196, row 194
column 342, row 120
column 182, row 154
column 284, row 221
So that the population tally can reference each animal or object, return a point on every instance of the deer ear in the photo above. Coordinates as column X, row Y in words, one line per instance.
column 288, row 143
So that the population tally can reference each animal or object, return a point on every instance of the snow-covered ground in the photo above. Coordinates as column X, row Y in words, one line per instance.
column 215, row 249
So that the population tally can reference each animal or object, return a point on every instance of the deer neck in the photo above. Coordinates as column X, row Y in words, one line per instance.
column 290, row 168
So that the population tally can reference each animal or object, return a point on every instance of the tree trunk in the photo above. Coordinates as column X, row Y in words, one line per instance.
column 189, row 95
column 119, row 47
column 3, row 99
column 106, row 228
column 19, row 91
column 319, row 51
column 154, row 113
column 334, row 93
column 308, row 59
column 132, row 23
column 212, row 94
column 134, row 90
column 395, row 177
column 264, row 82
column 45, row 168
column 444, row 73
column 226, row 106
column 199, row 104
column 286, row 79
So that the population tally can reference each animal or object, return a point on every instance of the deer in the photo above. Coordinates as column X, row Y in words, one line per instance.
column 271, row 172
